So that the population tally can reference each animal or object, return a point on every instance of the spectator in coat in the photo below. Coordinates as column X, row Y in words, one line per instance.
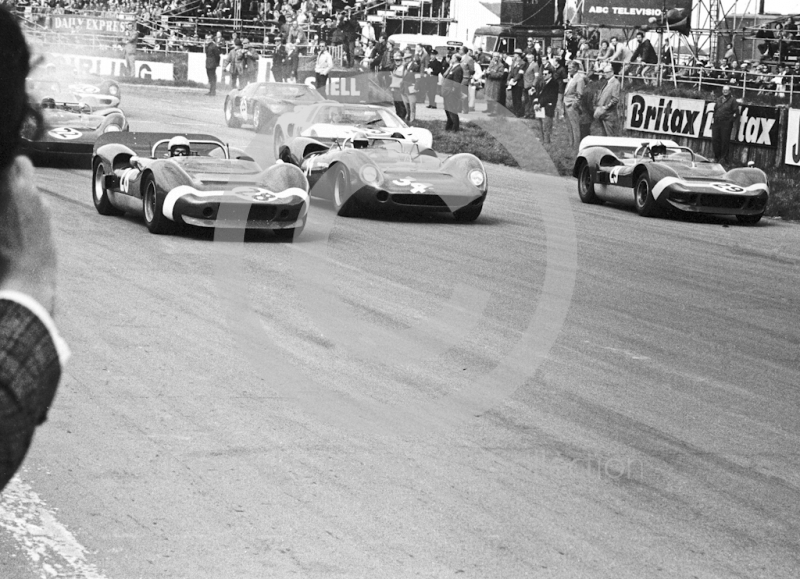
column 607, row 101
column 451, row 92
column 725, row 110
column 290, row 63
column 547, row 100
column 588, row 104
column 573, row 93
column 322, row 69
column 396, row 85
column 515, row 84
column 495, row 83
column 530, row 80
column 212, row 63
column 278, row 60
column 436, row 67
column 620, row 57
column 468, row 64
column 249, row 62
column 646, row 55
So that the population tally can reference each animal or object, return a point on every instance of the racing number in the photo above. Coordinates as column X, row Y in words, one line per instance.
column 243, row 107
column 125, row 179
column 728, row 187
column 613, row 177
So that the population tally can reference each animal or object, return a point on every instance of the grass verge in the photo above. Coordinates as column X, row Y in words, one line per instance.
column 470, row 139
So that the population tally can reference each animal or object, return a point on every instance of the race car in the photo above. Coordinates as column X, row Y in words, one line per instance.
column 95, row 92
column 657, row 176
column 329, row 120
column 69, row 133
column 197, row 180
column 260, row 103
column 386, row 173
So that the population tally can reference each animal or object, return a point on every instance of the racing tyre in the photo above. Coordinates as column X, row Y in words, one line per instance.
column 260, row 119
column 99, row 192
column 469, row 213
column 646, row 204
column 749, row 219
column 288, row 234
column 277, row 141
column 153, row 205
column 343, row 200
column 586, row 186
column 230, row 115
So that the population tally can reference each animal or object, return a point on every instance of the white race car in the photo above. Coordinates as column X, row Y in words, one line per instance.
column 328, row 121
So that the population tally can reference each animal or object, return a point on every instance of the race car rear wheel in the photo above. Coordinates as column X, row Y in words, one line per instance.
column 230, row 115
column 646, row 204
column 586, row 186
column 749, row 219
column 343, row 200
column 260, row 119
column 99, row 192
column 153, row 205
column 277, row 141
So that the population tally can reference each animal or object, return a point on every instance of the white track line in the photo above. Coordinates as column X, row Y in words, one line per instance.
column 46, row 542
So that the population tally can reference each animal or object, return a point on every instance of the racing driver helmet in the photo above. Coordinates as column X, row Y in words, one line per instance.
column 179, row 146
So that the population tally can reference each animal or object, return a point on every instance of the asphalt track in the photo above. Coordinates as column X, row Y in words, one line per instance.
column 556, row 390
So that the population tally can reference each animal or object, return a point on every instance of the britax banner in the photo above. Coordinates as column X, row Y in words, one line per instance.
column 754, row 125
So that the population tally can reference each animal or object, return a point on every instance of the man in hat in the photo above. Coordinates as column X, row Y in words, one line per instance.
column 726, row 108
column 516, row 82
column 607, row 101
column 278, row 59
column 212, row 62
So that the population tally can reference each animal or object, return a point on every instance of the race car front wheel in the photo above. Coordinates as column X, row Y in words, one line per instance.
column 586, row 186
column 99, row 192
column 277, row 141
column 230, row 116
column 646, row 204
column 749, row 219
column 343, row 200
column 260, row 119
column 153, row 205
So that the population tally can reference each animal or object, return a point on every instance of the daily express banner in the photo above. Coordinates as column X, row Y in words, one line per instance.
column 626, row 13
column 755, row 125
column 91, row 24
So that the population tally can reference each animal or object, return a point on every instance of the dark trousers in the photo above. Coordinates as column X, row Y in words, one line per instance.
column 234, row 79
column 277, row 72
column 721, row 139
column 516, row 99
column 452, row 106
column 399, row 105
column 212, row 80
column 322, row 84
column 433, row 87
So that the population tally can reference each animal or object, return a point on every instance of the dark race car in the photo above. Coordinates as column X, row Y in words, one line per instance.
column 260, row 103
column 389, row 174
column 196, row 180
column 69, row 131
column 96, row 92
column 658, row 176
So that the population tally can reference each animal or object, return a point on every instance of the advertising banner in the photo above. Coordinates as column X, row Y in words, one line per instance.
column 792, row 153
column 107, row 66
column 91, row 24
column 626, row 13
column 755, row 125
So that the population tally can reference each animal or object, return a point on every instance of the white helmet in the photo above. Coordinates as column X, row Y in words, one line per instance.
column 178, row 141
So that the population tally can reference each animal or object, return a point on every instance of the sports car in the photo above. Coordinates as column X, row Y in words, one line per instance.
column 213, row 185
column 387, row 173
column 260, row 103
column 657, row 176
column 330, row 120
column 69, row 131
column 95, row 92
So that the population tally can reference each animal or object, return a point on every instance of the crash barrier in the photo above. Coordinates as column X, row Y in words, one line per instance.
column 767, row 136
